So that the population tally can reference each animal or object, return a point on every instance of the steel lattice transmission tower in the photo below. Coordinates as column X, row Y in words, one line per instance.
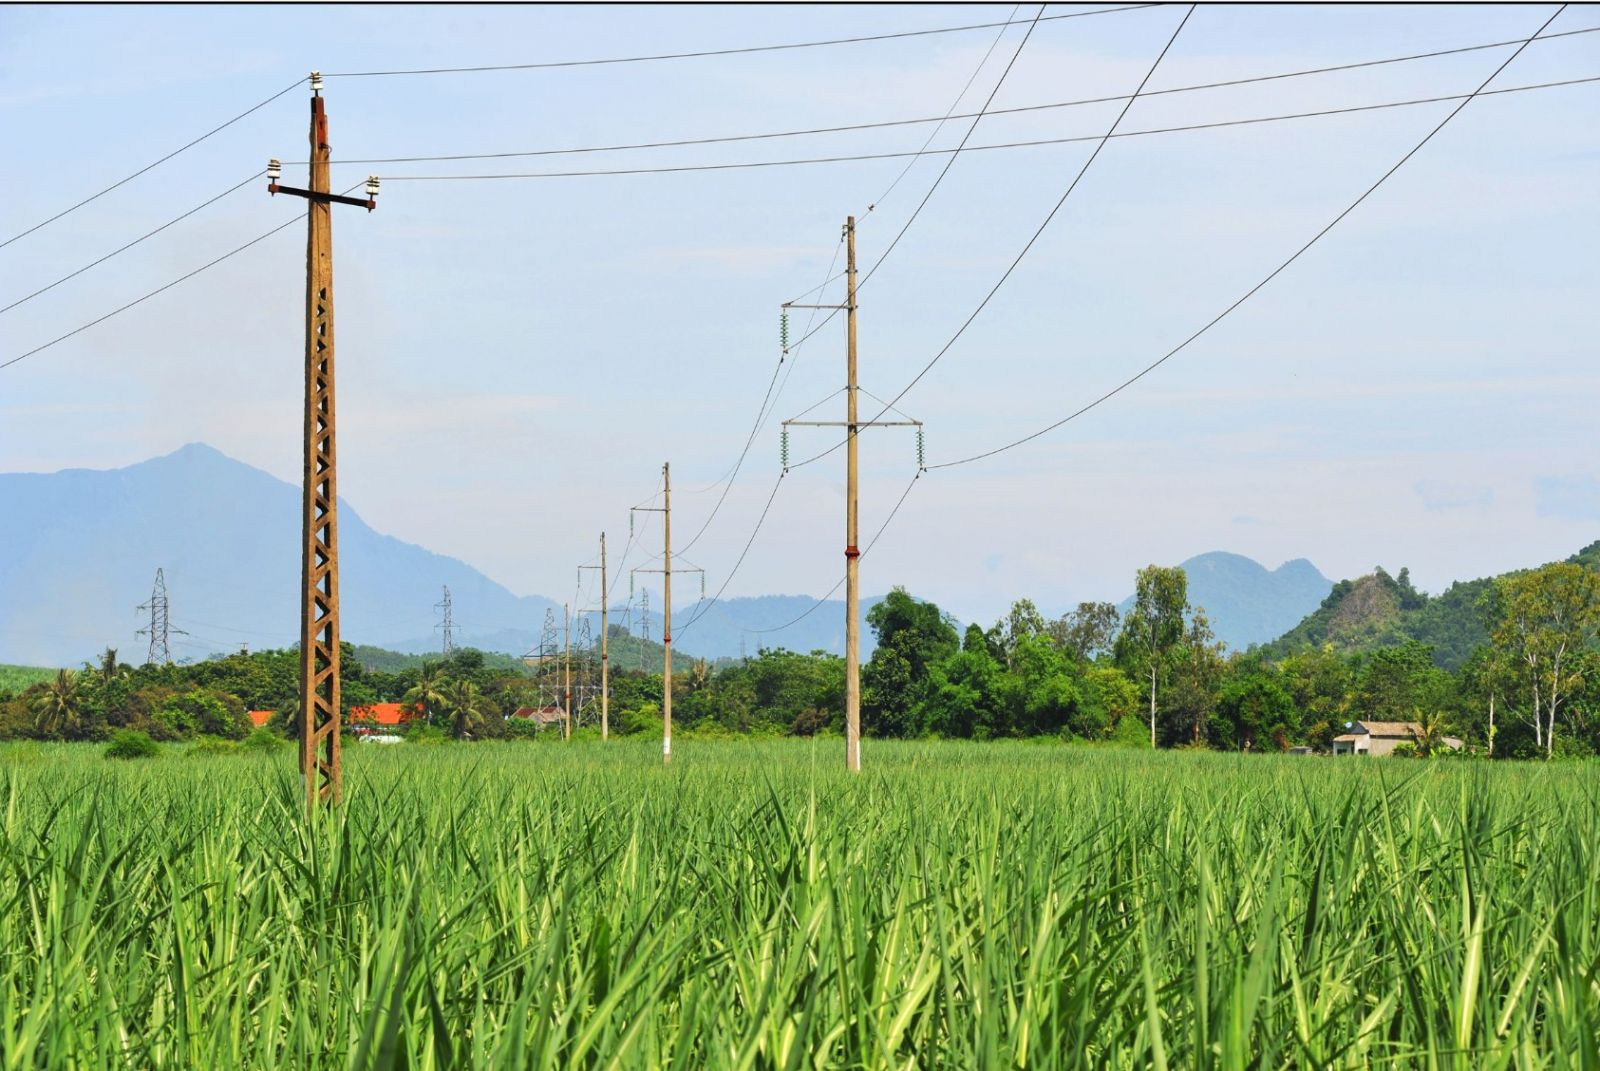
column 445, row 626
column 319, row 531
column 160, row 627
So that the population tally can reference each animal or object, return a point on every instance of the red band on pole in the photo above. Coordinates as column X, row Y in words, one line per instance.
column 851, row 552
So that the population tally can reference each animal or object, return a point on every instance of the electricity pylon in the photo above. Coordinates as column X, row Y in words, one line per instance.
column 852, row 552
column 160, row 626
column 319, row 530
column 445, row 626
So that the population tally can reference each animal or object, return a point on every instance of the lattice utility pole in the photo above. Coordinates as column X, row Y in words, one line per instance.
column 852, row 552
column 445, row 626
column 319, row 532
column 160, row 627
column 605, row 650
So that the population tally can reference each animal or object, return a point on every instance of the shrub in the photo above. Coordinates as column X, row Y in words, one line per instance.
column 132, row 744
column 421, row 732
column 263, row 740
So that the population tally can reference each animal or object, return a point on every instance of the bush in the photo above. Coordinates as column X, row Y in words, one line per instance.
column 646, row 719
column 132, row 744
column 212, row 745
column 421, row 732
column 263, row 740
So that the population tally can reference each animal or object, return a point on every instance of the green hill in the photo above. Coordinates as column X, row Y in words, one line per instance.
column 1379, row 610
column 14, row 679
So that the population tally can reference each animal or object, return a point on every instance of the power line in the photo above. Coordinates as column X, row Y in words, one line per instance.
column 706, row 53
column 1026, row 144
column 769, row 402
column 762, row 413
column 158, row 163
column 1073, row 185
column 1256, row 288
column 951, row 159
column 136, row 241
column 867, row 550
column 160, row 289
column 704, row 606
column 924, row 120
column 1047, row 219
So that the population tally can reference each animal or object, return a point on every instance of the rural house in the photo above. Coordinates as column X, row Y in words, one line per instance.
column 1382, row 737
column 540, row 716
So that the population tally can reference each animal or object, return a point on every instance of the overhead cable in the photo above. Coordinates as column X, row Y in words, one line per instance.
column 1147, row 369
column 923, row 120
column 122, row 249
column 1026, row 144
column 122, row 182
column 705, row 53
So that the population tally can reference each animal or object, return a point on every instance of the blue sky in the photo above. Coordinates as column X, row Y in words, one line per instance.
column 518, row 357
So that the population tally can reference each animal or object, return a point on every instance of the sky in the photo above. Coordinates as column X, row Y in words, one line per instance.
column 517, row 358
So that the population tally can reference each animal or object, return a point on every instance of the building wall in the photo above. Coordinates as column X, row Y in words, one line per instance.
column 1383, row 745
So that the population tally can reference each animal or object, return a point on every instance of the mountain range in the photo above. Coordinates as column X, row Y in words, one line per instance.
column 226, row 536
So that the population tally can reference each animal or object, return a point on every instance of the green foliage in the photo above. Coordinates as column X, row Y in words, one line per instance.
column 15, row 679
column 421, row 732
column 131, row 744
column 264, row 740
column 753, row 906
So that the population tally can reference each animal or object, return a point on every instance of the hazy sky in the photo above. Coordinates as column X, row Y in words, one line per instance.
column 517, row 358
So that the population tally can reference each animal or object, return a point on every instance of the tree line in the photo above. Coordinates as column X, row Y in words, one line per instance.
column 1154, row 677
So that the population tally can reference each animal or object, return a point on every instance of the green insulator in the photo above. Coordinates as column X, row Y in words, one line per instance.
column 783, row 449
column 921, row 459
column 783, row 329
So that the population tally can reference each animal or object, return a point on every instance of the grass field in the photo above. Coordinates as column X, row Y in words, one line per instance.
column 964, row 906
column 16, row 678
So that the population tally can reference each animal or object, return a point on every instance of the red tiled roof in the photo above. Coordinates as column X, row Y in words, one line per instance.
column 384, row 713
column 259, row 718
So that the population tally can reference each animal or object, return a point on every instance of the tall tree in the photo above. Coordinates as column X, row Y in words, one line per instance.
column 1154, row 626
column 1549, row 618
column 1089, row 630
column 913, row 637
column 59, row 709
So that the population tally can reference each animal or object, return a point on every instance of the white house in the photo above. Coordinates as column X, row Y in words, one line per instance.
column 1382, row 737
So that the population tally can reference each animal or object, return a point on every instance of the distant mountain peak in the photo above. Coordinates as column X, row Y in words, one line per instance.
column 1245, row 602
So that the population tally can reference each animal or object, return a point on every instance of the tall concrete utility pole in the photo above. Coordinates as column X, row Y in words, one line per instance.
column 852, row 551
column 605, row 650
column 319, row 543
column 665, row 509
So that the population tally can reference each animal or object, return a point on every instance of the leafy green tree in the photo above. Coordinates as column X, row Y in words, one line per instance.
column 1195, row 672
column 1320, row 684
column 1549, row 618
column 1153, row 627
column 913, row 637
column 1254, row 709
column 1392, row 682
column 1024, row 622
column 1088, row 631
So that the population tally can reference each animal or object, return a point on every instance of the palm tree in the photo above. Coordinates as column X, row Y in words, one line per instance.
column 465, row 703
column 1431, row 730
column 59, row 708
column 429, row 691
column 108, row 668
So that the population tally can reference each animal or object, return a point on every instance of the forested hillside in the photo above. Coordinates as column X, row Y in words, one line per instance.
column 1379, row 610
